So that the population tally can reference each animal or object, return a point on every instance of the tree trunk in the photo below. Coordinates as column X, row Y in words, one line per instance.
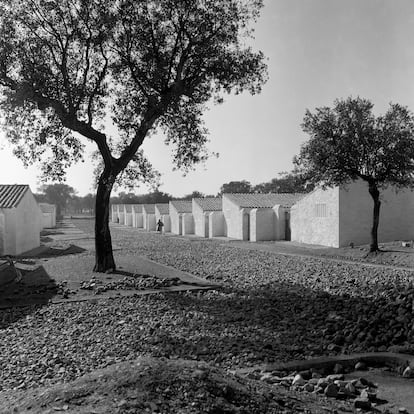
column 104, row 259
column 373, row 190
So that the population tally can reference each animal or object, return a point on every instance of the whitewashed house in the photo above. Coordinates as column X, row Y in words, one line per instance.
column 162, row 212
column 114, row 213
column 120, row 214
column 127, row 215
column 208, row 217
column 20, row 220
column 137, row 216
column 48, row 215
column 148, row 211
column 342, row 215
column 182, row 221
column 258, row 217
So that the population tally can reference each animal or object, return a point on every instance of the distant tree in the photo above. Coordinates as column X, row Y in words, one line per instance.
column 74, row 205
column 150, row 198
column 88, row 202
column 40, row 197
column 128, row 198
column 236, row 187
column 59, row 194
column 286, row 183
column 194, row 194
column 347, row 142
column 139, row 65
column 156, row 197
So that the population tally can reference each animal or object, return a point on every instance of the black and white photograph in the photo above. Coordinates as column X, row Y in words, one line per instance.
column 206, row 206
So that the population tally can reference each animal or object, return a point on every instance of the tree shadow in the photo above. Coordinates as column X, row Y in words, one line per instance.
column 282, row 321
column 406, row 251
column 44, row 252
column 21, row 295
column 51, row 232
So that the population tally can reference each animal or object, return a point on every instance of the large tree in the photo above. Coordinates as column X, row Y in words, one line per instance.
column 125, row 67
column 348, row 142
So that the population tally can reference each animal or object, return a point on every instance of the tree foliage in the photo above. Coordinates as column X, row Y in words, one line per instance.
column 348, row 142
column 194, row 194
column 150, row 198
column 59, row 194
column 69, row 68
column 285, row 183
column 242, row 186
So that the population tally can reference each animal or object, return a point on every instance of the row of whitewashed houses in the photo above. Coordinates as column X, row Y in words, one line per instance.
column 329, row 217
column 21, row 219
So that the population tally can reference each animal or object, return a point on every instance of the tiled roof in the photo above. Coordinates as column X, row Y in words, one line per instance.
column 137, row 208
column 149, row 208
column 47, row 208
column 11, row 194
column 210, row 203
column 264, row 200
column 183, row 206
column 163, row 208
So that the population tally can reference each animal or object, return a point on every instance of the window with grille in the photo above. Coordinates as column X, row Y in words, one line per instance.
column 321, row 210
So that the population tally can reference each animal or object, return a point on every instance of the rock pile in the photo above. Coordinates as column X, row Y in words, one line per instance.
column 374, row 325
column 138, row 282
column 362, row 391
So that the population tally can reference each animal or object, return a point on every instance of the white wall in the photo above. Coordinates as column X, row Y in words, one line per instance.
column 128, row 219
column 121, row 213
column 199, row 220
column 187, row 223
column 315, row 218
column 356, row 214
column 48, row 215
column 127, row 215
column 47, row 220
column 338, row 216
column 206, row 220
column 149, row 222
column 114, row 215
column 281, row 214
column 175, row 220
column 216, row 224
column 233, row 218
column 9, row 231
column 137, row 220
column 167, row 223
column 22, row 226
column 262, row 224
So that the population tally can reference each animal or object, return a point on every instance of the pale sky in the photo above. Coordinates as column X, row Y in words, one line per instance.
column 318, row 50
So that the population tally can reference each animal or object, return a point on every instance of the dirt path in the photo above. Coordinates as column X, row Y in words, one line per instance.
column 51, row 274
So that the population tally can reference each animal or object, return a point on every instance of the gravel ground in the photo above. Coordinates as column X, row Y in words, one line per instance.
column 271, row 308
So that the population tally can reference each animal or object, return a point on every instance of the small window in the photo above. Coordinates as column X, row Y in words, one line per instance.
column 321, row 210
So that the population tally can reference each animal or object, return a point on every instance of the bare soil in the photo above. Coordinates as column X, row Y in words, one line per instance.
column 153, row 385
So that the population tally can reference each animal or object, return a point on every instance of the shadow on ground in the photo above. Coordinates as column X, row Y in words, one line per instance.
column 25, row 285
column 288, row 321
column 44, row 252
column 18, row 298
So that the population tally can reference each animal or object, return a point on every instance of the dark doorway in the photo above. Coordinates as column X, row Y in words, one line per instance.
column 287, row 225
